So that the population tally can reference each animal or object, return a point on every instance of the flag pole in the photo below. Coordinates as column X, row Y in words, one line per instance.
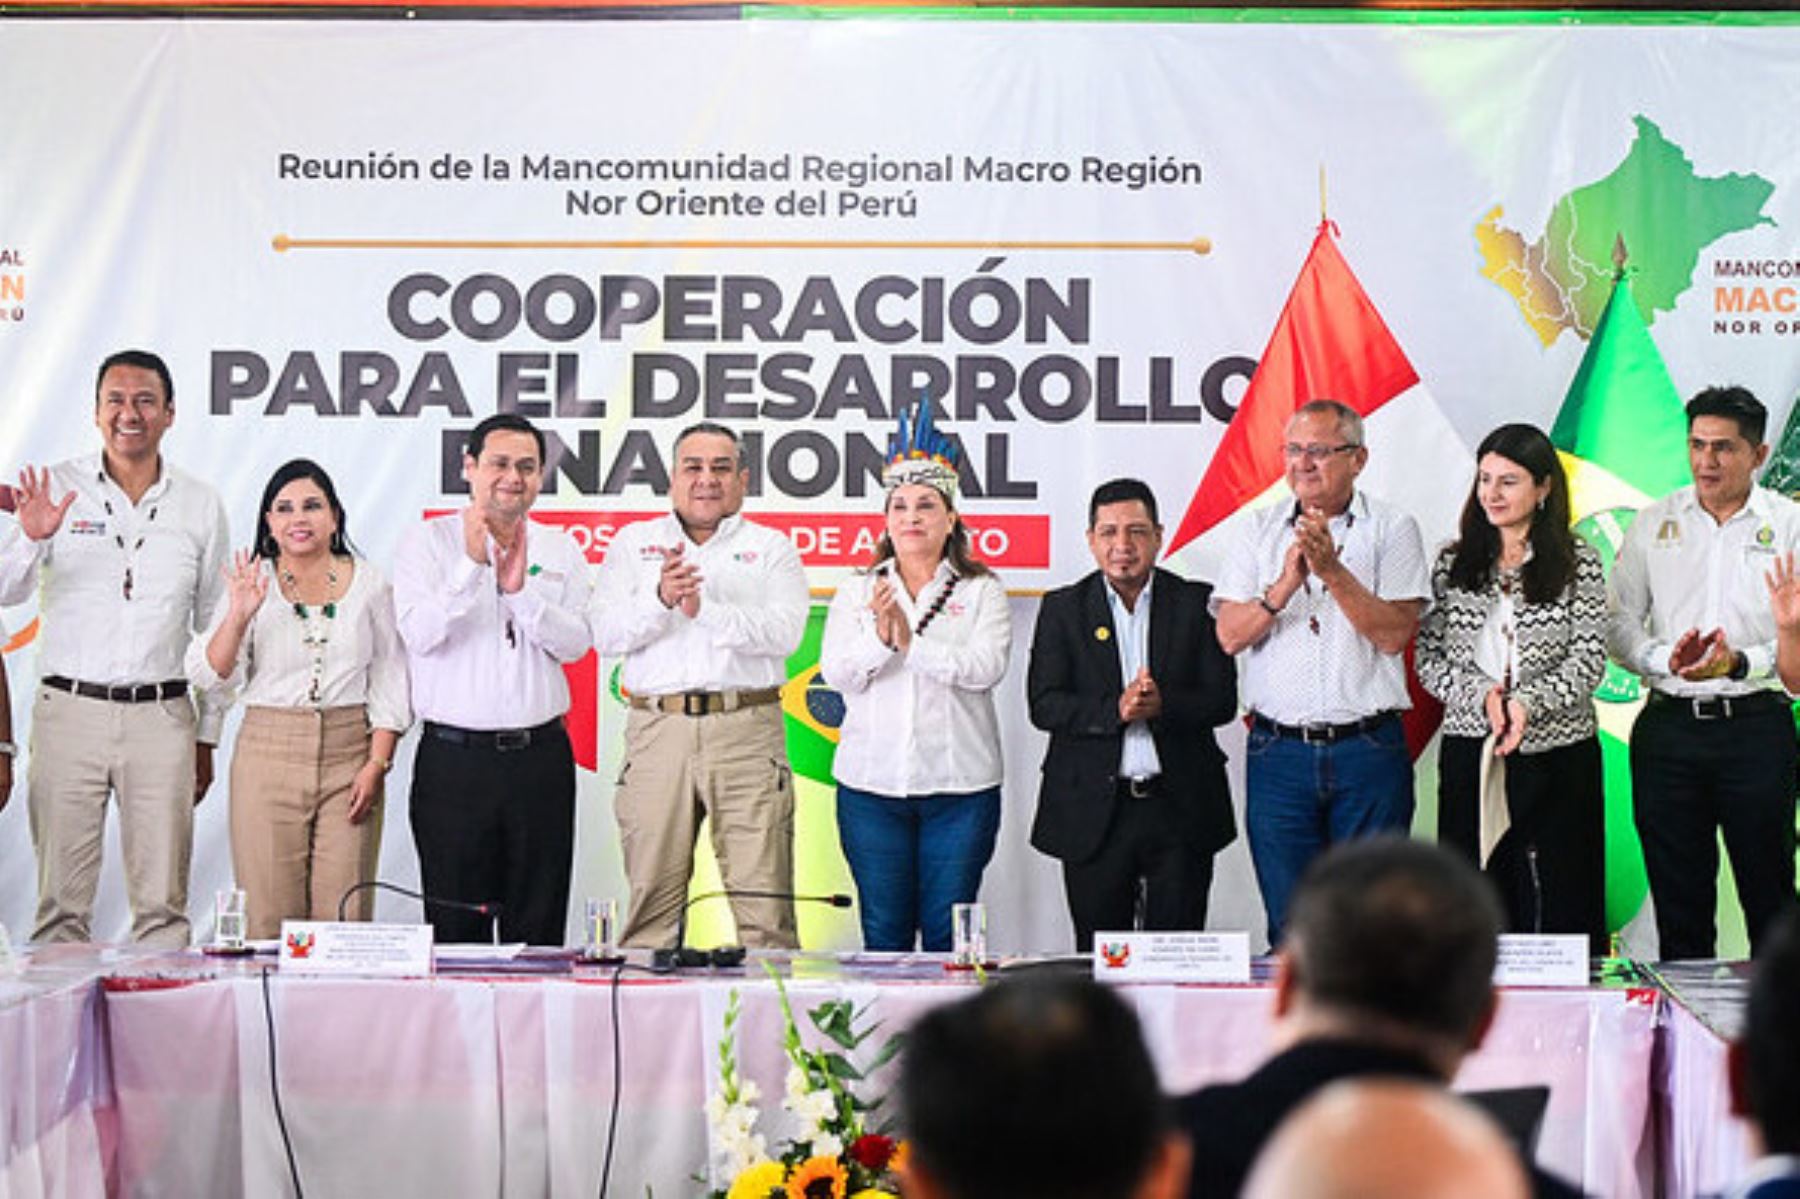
column 1619, row 256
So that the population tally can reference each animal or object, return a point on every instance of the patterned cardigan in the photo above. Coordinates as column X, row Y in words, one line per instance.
column 1561, row 648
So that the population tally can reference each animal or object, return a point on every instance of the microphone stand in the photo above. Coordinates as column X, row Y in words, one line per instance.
column 491, row 908
column 680, row 957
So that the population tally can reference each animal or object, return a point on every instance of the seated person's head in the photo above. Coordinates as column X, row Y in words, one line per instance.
column 1038, row 1086
column 1389, row 1138
column 1765, row 1059
column 1392, row 940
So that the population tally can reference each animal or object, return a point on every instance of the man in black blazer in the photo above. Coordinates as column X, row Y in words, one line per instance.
column 1128, row 679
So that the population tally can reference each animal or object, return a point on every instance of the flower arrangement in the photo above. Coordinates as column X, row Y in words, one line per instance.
column 840, row 1150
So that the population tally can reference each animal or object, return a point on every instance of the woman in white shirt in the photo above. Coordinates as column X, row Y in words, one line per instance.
column 322, row 674
column 916, row 645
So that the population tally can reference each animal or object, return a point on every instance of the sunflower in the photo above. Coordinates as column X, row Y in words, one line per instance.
column 758, row 1182
column 818, row 1178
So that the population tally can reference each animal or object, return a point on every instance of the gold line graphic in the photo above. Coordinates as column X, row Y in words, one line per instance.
column 283, row 243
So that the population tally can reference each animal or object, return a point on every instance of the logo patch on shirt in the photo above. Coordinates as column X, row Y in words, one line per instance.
column 1765, row 536
column 1668, row 534
column 955, row 608
column 744, row 556
column 87, row 528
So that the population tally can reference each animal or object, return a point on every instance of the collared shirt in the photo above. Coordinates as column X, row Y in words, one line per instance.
column 921, row 722
column 1679, row 569
column 173, row 546
column 478, row 658
column 1137, row 753
column 1313, row 667
column 352, row 658
column 753, row 604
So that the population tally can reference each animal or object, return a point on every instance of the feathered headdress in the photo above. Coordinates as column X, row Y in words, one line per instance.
column 918, row 453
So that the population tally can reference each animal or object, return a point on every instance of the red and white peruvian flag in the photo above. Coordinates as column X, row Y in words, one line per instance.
column 1331, row 344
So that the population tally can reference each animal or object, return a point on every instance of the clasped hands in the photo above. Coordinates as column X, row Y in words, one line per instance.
column 1141, row 699
column 1311, row 552
column 891, row 623
column 1700, row 656
column 679, row 584
column 507, row 539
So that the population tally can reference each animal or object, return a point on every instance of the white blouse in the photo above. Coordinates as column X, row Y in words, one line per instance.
column 356, row 655
column 921, row 722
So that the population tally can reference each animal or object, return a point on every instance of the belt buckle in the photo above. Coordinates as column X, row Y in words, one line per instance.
column 1712, row 707
column 509, row 740
column 1140, row 788
column 123, row 695
column 694, row 703
column 1316, row 734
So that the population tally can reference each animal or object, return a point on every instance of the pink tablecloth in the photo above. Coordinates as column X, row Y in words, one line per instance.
column 503, row 1087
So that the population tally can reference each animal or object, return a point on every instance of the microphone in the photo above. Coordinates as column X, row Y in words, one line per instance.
column 490, row 908
column 679, row 956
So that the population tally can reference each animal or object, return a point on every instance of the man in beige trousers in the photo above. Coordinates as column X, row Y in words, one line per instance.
column 705, row 607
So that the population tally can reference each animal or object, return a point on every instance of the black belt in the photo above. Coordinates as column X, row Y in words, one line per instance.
column 126, row 693
column 502, row 740
column 1322, row 734
column 706, row 703
column 1721, row 707
column 1139, row 788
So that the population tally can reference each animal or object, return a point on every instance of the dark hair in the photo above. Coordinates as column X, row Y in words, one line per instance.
column 716, row 430
column 1551, row 569
column 504, row 422
column 288, row 472
column 1033, row 1086
column 143, row 360
column 1122, row 491
column 1735, row 403
column 956, row 546
column 1398, row 930
column 1771, row 1037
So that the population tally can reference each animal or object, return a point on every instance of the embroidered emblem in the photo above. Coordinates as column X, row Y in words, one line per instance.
column 1102, row 634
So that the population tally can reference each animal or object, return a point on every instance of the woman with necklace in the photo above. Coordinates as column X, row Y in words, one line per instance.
column 1514, row 645
column 916, row 645
column 322, row 674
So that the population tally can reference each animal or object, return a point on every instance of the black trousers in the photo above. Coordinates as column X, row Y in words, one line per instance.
column 496, row 824
column 1692, row 779
column 1550, row 867
column 1143, row 856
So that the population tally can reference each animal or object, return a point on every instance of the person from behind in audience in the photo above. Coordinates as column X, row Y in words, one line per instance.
column 1764, row 1067
column 1037, row 1086
column 322, row 674
column 916, row 645
column 1387, row 1138
column 1386, row 971
column 1514, row 644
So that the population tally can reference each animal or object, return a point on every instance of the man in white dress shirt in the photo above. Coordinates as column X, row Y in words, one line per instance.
column 705, row 606
column 1318, row 603
column 1712, row 751
column 8, row 750
column 127, row 552
column 490, row 606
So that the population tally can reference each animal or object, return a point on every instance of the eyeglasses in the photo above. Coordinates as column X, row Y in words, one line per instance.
column 1315, row 453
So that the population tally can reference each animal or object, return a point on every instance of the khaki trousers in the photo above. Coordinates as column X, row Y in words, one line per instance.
column 293, row 847
column 84, row 751
column 731, row 767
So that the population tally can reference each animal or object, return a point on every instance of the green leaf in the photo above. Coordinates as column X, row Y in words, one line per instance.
column 888, row 1051
column 841, row 1067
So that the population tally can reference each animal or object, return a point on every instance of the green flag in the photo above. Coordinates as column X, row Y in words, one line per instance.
column 1622, row 431
column 1622, row 414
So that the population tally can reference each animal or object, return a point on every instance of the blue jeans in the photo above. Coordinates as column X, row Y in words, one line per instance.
column 914, row 857
column 1301, row 798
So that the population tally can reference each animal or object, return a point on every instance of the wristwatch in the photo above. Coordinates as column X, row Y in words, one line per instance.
column 1740, row 666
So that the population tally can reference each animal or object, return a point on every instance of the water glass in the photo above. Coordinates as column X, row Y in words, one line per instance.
column 968, row 934
column 228, row 919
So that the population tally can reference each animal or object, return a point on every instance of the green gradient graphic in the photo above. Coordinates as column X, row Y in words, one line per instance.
column 1665, row 212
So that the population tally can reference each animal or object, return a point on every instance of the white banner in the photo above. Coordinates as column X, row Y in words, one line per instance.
column 352, row 240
